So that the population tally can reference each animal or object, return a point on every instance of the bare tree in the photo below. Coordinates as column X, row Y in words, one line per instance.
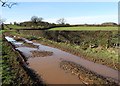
column 36, row 19
column 61, row 21
column 7, row 4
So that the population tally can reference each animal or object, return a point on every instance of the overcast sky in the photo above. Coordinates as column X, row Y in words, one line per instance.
column 73, row 12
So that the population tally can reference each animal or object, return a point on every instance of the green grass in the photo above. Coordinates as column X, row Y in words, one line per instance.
column 12, row 71
column 86, row 28
column 81, row 28
column 15, row 27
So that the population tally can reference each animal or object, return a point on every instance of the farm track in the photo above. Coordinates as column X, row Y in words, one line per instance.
column 59, row 56
column 22, row 60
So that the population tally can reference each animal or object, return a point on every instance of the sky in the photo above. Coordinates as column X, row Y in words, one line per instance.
column 65, row 0
column 73, row 12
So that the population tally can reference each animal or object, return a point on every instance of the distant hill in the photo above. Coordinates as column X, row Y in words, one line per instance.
column 109, row 23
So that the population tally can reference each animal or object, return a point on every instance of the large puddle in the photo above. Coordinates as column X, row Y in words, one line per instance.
column 49, row 66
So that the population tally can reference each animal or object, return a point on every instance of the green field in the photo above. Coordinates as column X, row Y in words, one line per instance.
column 80, row 28
column 86, row 28
column 15, row 27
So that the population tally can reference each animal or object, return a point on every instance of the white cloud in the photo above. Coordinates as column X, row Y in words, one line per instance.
column 88, row 19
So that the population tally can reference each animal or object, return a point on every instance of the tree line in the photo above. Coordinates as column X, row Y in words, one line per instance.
column 37, row 22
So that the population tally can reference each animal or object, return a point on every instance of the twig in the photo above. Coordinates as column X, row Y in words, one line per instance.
column 7, row 4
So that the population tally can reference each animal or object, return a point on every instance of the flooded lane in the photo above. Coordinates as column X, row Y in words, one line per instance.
column 49, row 67
column 97, row 68
column 50, row 71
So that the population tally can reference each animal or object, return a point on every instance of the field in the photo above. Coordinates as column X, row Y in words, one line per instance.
column 75, row 28
column 86, row 28
column 14, row 27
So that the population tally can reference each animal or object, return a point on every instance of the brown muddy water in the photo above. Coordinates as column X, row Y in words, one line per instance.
column 48, row 67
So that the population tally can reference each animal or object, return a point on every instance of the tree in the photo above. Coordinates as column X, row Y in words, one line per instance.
column 10, row 23
column 7, row 4
column 36, row 19
column 15, row 23
column 61, row 21
column 2, row 23
column 109, row 23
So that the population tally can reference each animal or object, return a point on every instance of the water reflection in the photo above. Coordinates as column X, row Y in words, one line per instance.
column 49, row 67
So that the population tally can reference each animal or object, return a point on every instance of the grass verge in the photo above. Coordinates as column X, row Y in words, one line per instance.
column 101, row 56
column 12, row 72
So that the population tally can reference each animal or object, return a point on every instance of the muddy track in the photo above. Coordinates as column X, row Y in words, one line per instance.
column 85, row 75
column 41, row 53
column 72, row 64
column 22, row 60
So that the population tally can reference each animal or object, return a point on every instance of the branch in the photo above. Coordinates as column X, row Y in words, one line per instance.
column 7, row 4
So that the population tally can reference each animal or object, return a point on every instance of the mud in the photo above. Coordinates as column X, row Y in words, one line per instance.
column 41, row 53
column 86, row 76
column 30, row 45
column 51, row 69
